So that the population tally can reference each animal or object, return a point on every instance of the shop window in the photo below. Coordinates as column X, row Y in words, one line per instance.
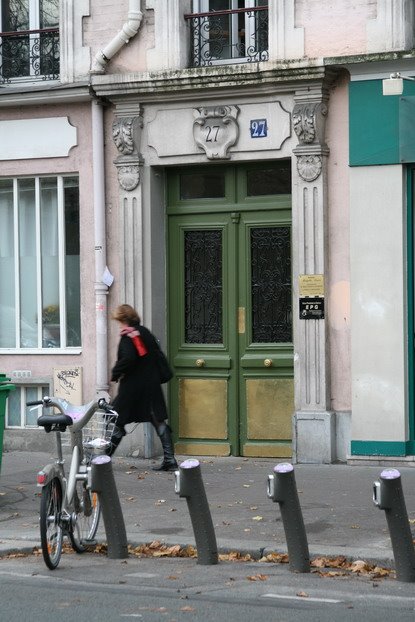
column 39, row 263
column 18, row 415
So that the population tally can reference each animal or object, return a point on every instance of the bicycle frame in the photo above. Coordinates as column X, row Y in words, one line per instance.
column 68, row 509
column 80, row 416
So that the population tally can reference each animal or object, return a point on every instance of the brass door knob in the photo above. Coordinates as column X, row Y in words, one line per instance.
column 268, row 362
column 200, row 362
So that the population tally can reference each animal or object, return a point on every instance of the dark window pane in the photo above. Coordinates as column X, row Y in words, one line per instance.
column 72, row 263
column 202, row 186
column 203, row 286
column 271, row 285
column 273, row 179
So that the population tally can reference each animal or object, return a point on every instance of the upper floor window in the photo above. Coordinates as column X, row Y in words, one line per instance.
column 229, row 31
column 29, row 40
column 39, row 263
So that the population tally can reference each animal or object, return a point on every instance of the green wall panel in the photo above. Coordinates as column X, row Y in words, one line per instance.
column 382, row 448
column 382, row 128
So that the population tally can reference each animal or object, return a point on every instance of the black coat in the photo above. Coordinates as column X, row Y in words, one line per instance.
column 140, row 396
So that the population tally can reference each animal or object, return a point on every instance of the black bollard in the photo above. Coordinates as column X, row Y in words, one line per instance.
column 103, row 482
column 189, row 484
column 282, row 488
column 388, row 496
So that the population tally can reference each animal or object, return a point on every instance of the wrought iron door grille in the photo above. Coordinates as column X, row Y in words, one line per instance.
column 29, row 54
column 203, row 286
column 271, row 284
column 238, row 35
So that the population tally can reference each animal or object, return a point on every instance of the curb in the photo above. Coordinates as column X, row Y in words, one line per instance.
column 8, row 547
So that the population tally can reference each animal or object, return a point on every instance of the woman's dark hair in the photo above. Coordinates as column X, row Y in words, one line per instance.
column 127, row 315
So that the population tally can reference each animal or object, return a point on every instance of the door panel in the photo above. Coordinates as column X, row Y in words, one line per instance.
column 202, row 333
column 230, row 323
column 265, row 352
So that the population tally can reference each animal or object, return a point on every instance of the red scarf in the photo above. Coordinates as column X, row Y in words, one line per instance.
column 134, row 334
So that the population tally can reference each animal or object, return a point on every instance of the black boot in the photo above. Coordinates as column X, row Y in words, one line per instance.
column 169, row 461
column 116, row 438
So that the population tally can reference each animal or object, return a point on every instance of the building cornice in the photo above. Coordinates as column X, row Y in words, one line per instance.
column 41, row 94
column 209, row 82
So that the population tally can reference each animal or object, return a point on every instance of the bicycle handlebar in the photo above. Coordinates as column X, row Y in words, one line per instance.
column 35, row 403
column 80, row 415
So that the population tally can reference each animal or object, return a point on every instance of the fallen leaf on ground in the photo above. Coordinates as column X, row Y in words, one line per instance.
column 257, row 518
column 257, row 577
column 302, row 594
column 276, row 558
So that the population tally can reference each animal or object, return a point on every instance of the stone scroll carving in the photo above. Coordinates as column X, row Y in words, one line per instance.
column 309, row 125
column 309, row 122
column 215, row 130
column 126, row 133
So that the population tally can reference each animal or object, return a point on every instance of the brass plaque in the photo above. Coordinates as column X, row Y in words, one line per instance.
column 311, row 284
column 202, row 449
column 267, row 450
column 270, row 406
column 203, row 408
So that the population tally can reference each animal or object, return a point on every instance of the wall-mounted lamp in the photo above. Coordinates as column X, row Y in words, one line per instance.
column 394, row 84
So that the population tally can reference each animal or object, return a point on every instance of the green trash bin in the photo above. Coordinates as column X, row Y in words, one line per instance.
column 5, row 388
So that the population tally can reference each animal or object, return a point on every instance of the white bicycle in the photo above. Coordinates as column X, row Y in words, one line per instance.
column 68, row 506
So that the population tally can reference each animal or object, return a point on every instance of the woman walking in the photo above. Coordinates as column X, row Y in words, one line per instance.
column 140, row 397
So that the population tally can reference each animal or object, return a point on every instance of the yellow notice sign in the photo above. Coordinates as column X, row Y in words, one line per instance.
column 311, row 284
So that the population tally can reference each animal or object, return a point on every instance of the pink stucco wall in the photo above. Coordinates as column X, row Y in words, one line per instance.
column 338, row 248
column 78, row 162
column 106, row 21
column 333, row 28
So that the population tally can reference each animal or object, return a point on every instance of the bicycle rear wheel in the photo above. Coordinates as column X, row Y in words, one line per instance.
column 51, row 533
column 88, row 511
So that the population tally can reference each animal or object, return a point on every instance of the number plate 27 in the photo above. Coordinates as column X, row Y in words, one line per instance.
column 259, row 128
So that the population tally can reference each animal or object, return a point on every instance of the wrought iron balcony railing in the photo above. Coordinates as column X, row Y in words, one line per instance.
column 239, row 35
column 29, row 54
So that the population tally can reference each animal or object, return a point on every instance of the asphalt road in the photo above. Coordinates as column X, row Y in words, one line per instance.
column 93, row 587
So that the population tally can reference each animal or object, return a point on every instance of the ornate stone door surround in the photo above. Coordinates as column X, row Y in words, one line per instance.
column 314, row 437
column 313, row 422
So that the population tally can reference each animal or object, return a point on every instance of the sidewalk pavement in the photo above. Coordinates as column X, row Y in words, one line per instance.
column 336, row 500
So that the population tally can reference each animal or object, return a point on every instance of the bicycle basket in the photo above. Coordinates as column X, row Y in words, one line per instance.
column 96, row 435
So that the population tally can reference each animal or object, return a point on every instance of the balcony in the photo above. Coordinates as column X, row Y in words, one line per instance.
column 231, row 36
column 29, row 55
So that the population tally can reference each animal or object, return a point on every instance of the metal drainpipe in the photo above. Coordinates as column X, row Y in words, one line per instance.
column 101, row 290
column 127, row 32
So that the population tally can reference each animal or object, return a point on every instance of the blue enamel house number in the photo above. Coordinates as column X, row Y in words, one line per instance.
column 259, row 128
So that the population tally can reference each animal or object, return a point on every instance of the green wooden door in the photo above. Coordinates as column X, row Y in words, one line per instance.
column 230, row 320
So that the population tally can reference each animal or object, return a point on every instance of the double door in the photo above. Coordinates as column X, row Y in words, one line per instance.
column 230, row 322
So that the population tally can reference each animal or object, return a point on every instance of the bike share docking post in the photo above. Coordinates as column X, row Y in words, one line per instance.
column 281, row 487
column 388, row 495
column 103, row 482
column 189, row 484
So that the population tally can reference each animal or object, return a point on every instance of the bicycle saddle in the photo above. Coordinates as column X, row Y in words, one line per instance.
column 55, row 423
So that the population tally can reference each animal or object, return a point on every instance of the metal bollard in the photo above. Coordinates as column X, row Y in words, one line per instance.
column 282, row 488
column 103, row 482
column 189, row 484
column 388, row 496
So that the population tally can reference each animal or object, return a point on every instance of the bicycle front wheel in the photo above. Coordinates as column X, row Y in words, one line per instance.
column 51, row 533
column 88, row 511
